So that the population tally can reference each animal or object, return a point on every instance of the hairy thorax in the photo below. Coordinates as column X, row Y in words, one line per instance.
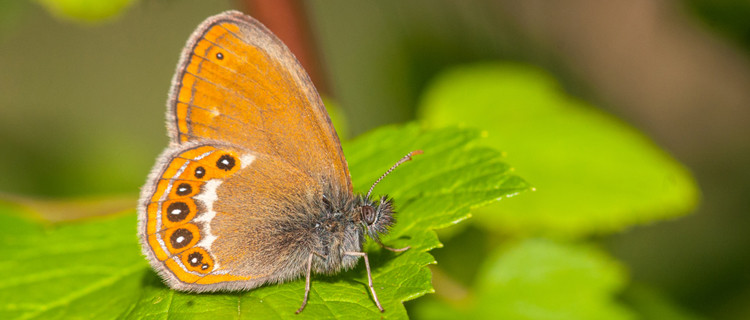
column 336, row 231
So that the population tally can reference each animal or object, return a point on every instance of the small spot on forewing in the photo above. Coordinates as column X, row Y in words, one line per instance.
column 246, row 159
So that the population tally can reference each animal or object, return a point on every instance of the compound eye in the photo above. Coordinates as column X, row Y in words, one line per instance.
column 368, row 214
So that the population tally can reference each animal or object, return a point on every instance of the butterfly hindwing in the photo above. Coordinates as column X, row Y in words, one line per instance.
column 211, row 212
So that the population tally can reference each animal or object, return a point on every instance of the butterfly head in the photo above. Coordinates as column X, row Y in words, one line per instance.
column 376, row 218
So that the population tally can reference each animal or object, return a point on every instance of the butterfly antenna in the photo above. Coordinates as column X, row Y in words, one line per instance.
column 404, row 159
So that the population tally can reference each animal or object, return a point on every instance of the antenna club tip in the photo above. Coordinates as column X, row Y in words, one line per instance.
column 404, row 159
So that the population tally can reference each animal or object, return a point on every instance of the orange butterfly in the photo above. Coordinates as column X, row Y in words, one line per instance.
column 254, row 187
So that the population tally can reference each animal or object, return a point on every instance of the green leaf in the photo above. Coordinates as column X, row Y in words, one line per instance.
column 76, row 270
column 94, row 269
column 58, row 210
column 592, row 173
column 86, row 10
column 541, row 279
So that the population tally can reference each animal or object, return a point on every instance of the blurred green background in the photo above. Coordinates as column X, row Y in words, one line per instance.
column 83, row 86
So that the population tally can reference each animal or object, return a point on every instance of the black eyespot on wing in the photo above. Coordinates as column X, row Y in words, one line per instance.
column 200, row 172
column 177, row 211
column 184, row 189
column 204, row 266
column 226, row 162
column 219, row 56
column 195, row 259
column 181, row 238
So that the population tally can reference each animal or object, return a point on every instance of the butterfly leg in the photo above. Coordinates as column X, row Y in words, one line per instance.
column 369, row 277
column 307, row 284
column 392, row 249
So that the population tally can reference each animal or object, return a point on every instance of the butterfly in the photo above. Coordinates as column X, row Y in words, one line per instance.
column 253, row 187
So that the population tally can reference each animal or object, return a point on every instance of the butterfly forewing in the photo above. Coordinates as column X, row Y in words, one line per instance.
column 238, row 83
